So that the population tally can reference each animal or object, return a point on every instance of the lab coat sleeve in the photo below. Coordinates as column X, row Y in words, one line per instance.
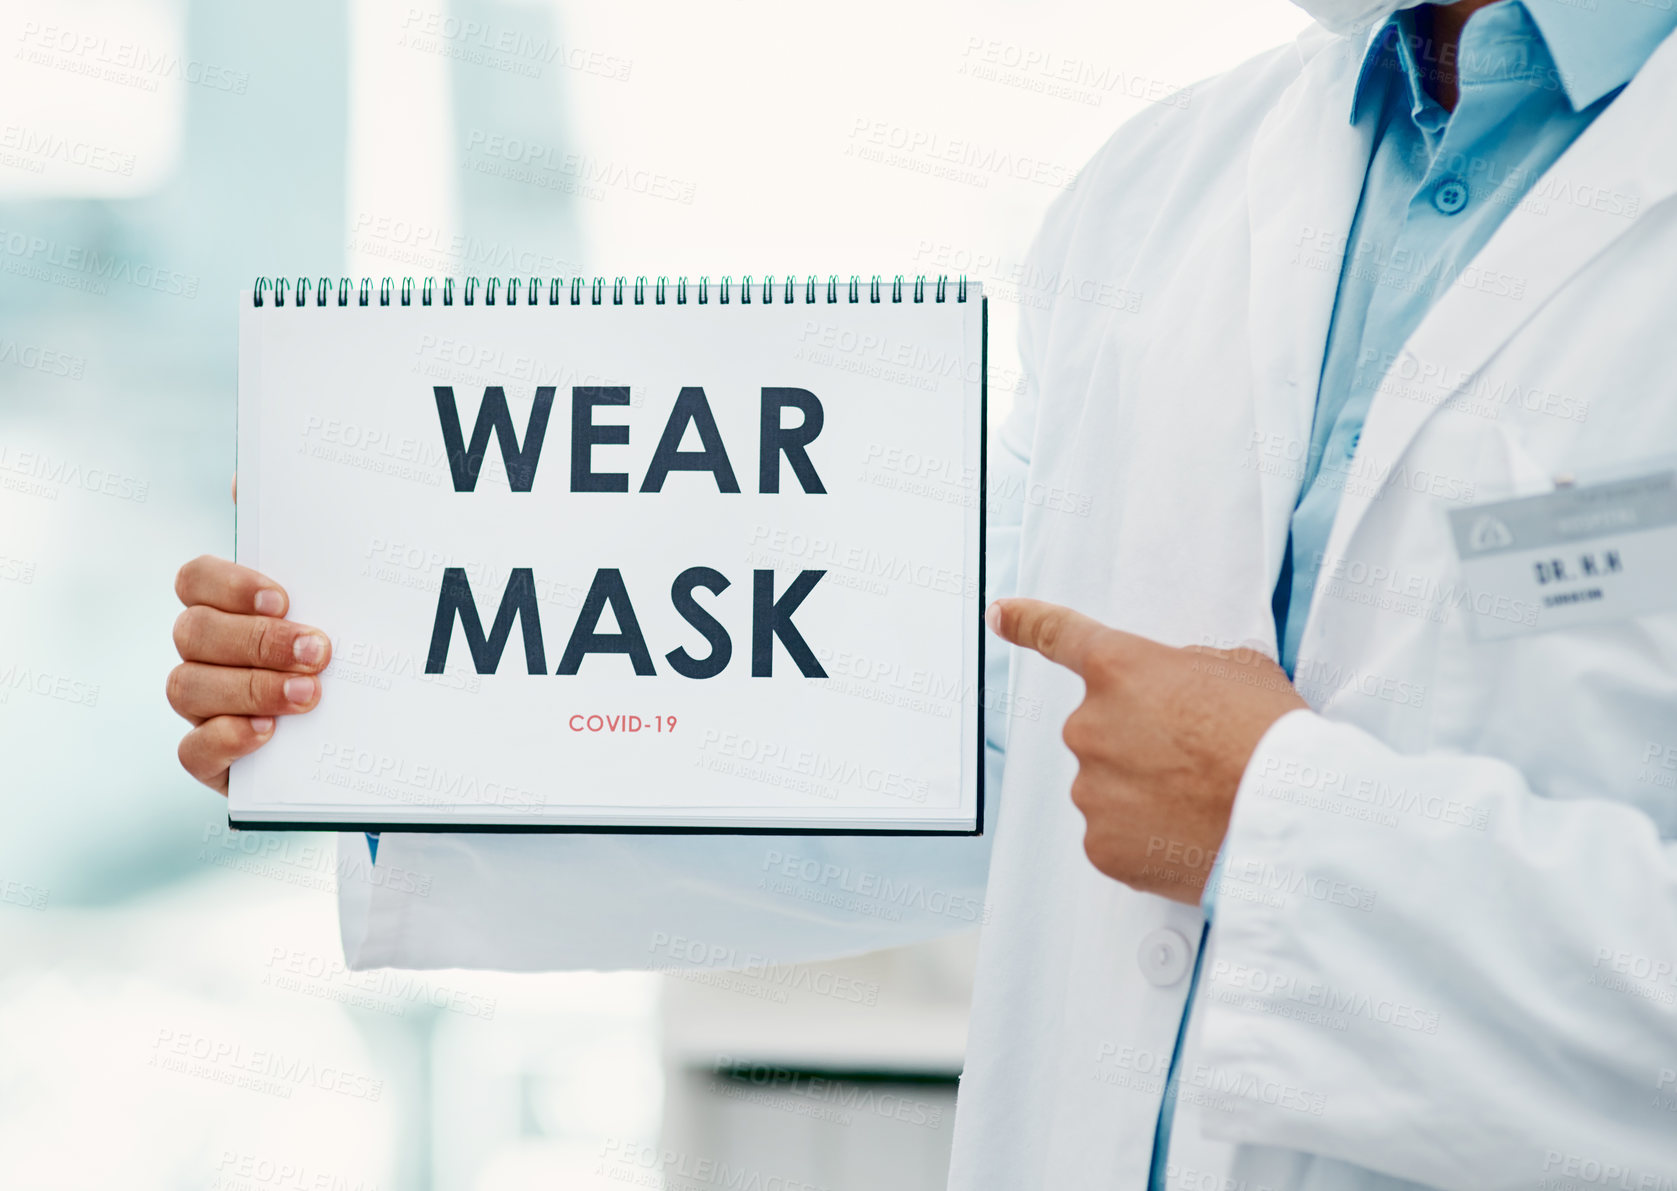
column 1402, row 941
column 549, row 902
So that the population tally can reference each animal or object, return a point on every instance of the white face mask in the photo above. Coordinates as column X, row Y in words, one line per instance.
column 1348, row 16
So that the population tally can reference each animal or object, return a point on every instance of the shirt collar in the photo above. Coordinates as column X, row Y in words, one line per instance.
column 1596, row 48
column 1388, row 52
column 1599, row 47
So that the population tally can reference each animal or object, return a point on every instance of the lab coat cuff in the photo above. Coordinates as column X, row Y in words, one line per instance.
column 1374, row 952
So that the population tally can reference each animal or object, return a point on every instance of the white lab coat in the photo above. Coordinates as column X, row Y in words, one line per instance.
column 1460, row 976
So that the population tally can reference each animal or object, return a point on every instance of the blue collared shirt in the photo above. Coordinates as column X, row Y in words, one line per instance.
column 1533, row 75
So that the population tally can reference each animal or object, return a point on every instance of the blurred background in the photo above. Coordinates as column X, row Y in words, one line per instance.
column 174, row 1010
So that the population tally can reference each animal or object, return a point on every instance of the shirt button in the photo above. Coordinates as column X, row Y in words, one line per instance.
column 1163, row 957
column 1450, row 196
column 1351, row 445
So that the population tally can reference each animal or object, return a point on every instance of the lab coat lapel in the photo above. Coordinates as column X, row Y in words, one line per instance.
column 1624, row 161
column 1304, row 180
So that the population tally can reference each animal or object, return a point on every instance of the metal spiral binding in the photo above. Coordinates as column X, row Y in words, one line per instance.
column 506, row 291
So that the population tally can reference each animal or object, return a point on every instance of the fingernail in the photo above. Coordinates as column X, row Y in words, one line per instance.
column 993, row 617
column 262, row 724
column 269, row 602
column 299, row 690
column 310, row 649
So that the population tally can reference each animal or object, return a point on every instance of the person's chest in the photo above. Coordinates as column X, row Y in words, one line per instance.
column 1187, row 428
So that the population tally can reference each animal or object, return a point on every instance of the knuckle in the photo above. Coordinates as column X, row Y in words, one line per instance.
column 1046, row 633
column 192, row 756
column 1080, row 733
column 174, row 688
column 183, row 577
column 196, row 573
column 183, row 633
column 265, row 642
column 265, row 694
column 1107, row 659
column 199, row 628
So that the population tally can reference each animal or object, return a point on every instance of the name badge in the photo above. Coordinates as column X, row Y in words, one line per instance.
column 1571, row 557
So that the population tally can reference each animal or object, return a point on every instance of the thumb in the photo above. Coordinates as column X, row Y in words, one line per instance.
column 1056, row 632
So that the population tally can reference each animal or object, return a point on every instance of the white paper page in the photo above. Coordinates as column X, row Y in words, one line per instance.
column 346, row 497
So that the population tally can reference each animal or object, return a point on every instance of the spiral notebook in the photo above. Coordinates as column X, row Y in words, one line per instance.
column 621, row 556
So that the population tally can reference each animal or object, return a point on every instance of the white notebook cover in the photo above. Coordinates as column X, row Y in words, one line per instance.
column 347, row 498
